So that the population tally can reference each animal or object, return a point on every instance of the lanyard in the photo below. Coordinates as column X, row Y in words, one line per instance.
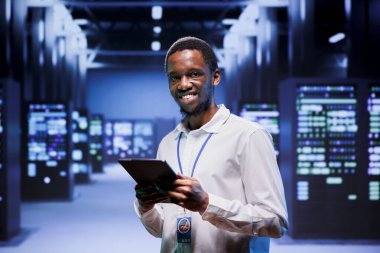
column 196, row 159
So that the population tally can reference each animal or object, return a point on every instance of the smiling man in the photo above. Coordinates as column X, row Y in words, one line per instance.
column 229, row 188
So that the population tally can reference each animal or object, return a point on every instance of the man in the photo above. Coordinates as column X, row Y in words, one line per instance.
column 229, row 187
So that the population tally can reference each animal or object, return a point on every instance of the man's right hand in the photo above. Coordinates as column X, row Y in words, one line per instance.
column 148, row 195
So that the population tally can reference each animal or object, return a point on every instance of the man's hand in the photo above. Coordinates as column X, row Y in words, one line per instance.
column 148, row 195
column 188, row 193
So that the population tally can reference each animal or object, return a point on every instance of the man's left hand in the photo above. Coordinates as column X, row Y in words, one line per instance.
column 188, row 193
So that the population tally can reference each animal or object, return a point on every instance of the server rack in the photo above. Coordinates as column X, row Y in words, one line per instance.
column 323, row 144
column 119, row 139
column 267, row 115
column 144, row 139
column 47, row 173
column 80, row 154
column 129, row 139
column 10, row 131
column 96, row 138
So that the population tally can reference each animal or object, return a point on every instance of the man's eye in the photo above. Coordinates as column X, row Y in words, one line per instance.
column 173, row 78
column 194, row 74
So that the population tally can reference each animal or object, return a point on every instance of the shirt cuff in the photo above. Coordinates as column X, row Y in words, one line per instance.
column 214, row 207
column 141, row 213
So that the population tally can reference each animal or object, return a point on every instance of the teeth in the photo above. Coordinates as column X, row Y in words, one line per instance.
column 188, row 96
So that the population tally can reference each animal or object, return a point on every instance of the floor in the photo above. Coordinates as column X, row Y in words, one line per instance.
column 101, row 219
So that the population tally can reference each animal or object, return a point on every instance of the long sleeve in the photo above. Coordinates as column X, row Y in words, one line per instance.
column 152, row 219
column 265, row 212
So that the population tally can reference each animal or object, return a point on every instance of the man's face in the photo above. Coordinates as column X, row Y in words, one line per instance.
column 190, row 81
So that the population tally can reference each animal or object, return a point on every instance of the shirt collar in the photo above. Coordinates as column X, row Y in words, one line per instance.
column 213, row 126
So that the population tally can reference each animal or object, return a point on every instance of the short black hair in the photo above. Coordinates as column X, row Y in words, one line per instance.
column 193, row 43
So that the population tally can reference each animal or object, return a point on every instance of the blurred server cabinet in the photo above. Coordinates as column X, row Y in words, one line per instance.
column 325, row 146
column 373, row 164
column 143, row 139
column 46, row 173
column 80, row 154
column 118, row 139
column 129, row 139
column 10, row 130
column 267, row 115
column 96, row 138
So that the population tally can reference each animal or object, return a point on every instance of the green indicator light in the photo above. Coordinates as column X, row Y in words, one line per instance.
column 328, row 101
column 334, row 180
column 374, row 183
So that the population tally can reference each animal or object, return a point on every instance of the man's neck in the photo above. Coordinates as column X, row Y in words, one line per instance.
column 196, row 122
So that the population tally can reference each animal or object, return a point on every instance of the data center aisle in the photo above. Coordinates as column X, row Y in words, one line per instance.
column 101, row 219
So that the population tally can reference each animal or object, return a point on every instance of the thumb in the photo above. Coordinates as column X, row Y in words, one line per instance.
column 180, row 176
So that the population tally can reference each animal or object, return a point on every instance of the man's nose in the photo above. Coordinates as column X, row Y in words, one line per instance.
column 185, row 83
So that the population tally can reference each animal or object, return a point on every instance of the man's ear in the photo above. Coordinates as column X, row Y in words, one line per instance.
column 216, row 78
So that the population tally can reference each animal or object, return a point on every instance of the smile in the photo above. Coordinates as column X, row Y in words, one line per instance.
column 187, row 96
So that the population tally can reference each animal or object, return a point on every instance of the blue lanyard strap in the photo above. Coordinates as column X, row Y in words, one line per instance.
column 196, row 159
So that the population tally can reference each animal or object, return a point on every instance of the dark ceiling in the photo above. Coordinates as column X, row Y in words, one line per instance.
column 128, row 25
column 122, row 28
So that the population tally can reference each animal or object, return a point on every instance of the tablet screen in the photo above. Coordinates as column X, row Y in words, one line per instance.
column 148, row 170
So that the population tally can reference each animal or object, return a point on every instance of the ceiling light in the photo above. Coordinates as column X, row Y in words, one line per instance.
column 156, row 12
column 81, row 21
column 156, row 45
column 41, row 31
column 303, row 10
column 229, row 21
column 347, row 7
column 336, row 38
column 157, row 29
column 274, row 3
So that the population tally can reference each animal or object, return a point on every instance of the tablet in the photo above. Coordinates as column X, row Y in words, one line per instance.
column 148, row 170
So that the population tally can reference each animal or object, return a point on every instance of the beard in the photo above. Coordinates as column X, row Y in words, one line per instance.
column 198, row 110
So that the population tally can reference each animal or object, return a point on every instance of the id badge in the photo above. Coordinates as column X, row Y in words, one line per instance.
column 184, row 227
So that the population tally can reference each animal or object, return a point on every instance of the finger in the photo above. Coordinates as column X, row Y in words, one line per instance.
column 177, row 195
column 177, row 202
column 140, row 192
column 181, row 203
column 157, row 200
column 180, row 176
column 183, row 182
column 149, row 192
column 152, row 198
column 183, row 189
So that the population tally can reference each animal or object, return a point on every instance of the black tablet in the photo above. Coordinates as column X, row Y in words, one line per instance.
column 148, row 170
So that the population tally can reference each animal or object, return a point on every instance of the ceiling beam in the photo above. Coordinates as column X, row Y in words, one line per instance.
column 126, row 52
column 102, row 4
